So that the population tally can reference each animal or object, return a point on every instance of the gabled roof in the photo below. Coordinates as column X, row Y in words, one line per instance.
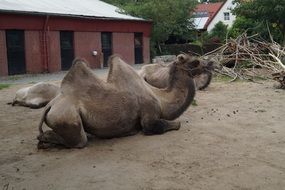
column 72, row 8
column 207, row 11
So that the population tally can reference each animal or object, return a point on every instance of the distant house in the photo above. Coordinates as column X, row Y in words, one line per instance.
column 207, row 15
column 46, row 35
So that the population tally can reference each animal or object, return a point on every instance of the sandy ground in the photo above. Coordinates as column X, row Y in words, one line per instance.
column 233, row 139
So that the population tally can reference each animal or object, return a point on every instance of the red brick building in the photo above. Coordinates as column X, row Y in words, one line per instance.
column 46, row 35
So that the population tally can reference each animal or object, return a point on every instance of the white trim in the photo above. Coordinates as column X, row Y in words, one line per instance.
column 227, row 7
column 89, row 8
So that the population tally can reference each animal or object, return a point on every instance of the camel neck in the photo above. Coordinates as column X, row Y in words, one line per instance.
column 177, row 97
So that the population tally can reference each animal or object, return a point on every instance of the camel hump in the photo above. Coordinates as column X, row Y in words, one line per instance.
column 79, row 69
column 116, row 62
column 78, row 61
column 115, row 58
column 123, row 75
column 78, row 77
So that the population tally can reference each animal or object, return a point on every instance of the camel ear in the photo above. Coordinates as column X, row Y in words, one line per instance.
column 181, row 57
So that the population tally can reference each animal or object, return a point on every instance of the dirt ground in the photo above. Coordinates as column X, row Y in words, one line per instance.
column 233, row 139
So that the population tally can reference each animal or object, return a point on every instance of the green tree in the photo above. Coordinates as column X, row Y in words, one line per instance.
column 241, row 25
column 251, row 27
column 265, row 11
column 169, row 17
column 219, row 32
column 119, row 2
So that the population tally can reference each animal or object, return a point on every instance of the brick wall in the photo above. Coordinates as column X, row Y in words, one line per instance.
column 123, row 44
column 54, row 63
column 85, row 43
column 34, row 63
column 59, row 23
column 3, row 54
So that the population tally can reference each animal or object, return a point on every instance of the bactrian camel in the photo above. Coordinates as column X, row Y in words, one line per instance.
column 158, row 74
column 36, row 96
column 121, row 106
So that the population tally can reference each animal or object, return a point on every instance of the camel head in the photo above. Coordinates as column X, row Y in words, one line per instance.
column 192, row 65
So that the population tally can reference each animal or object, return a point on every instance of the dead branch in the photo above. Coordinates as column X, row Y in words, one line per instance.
column 246, row 53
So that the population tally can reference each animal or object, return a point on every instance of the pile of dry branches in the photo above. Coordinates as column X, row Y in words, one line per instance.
column 246, row 55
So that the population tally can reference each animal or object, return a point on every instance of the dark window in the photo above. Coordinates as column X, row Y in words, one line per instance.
column 106, row 41
column 226, row 16
column 138, row 48
column 66, row 49
column 15, row 41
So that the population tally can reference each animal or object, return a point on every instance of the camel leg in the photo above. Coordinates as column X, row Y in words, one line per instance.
column 72, row 136
column 159, row 126
column 172, row 125
column 49, row 139
column 67, row 128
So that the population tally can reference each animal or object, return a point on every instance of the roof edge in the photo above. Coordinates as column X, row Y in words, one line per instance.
column 209, row 22
column 72, row 16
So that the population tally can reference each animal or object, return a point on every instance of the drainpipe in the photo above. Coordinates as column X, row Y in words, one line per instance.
column 45, row 45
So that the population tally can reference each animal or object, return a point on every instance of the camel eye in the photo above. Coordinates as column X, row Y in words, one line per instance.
column 211, row 63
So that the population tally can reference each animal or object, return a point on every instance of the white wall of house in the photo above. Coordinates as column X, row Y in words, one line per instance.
column 220, row 16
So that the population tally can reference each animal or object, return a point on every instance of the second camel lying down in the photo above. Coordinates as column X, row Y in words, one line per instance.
column 158, row 74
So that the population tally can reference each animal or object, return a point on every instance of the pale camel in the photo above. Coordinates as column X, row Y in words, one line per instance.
column 158, row 74
column 36, row 96
column 121, row 106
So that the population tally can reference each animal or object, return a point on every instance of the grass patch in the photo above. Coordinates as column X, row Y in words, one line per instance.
column 2, row 86
column 221, row 78
column 15, row 77
column 194, row 103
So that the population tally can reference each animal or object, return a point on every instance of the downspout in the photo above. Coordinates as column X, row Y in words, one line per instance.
column 45, row 45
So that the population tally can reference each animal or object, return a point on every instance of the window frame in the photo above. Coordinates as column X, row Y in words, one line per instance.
column 226, row 16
